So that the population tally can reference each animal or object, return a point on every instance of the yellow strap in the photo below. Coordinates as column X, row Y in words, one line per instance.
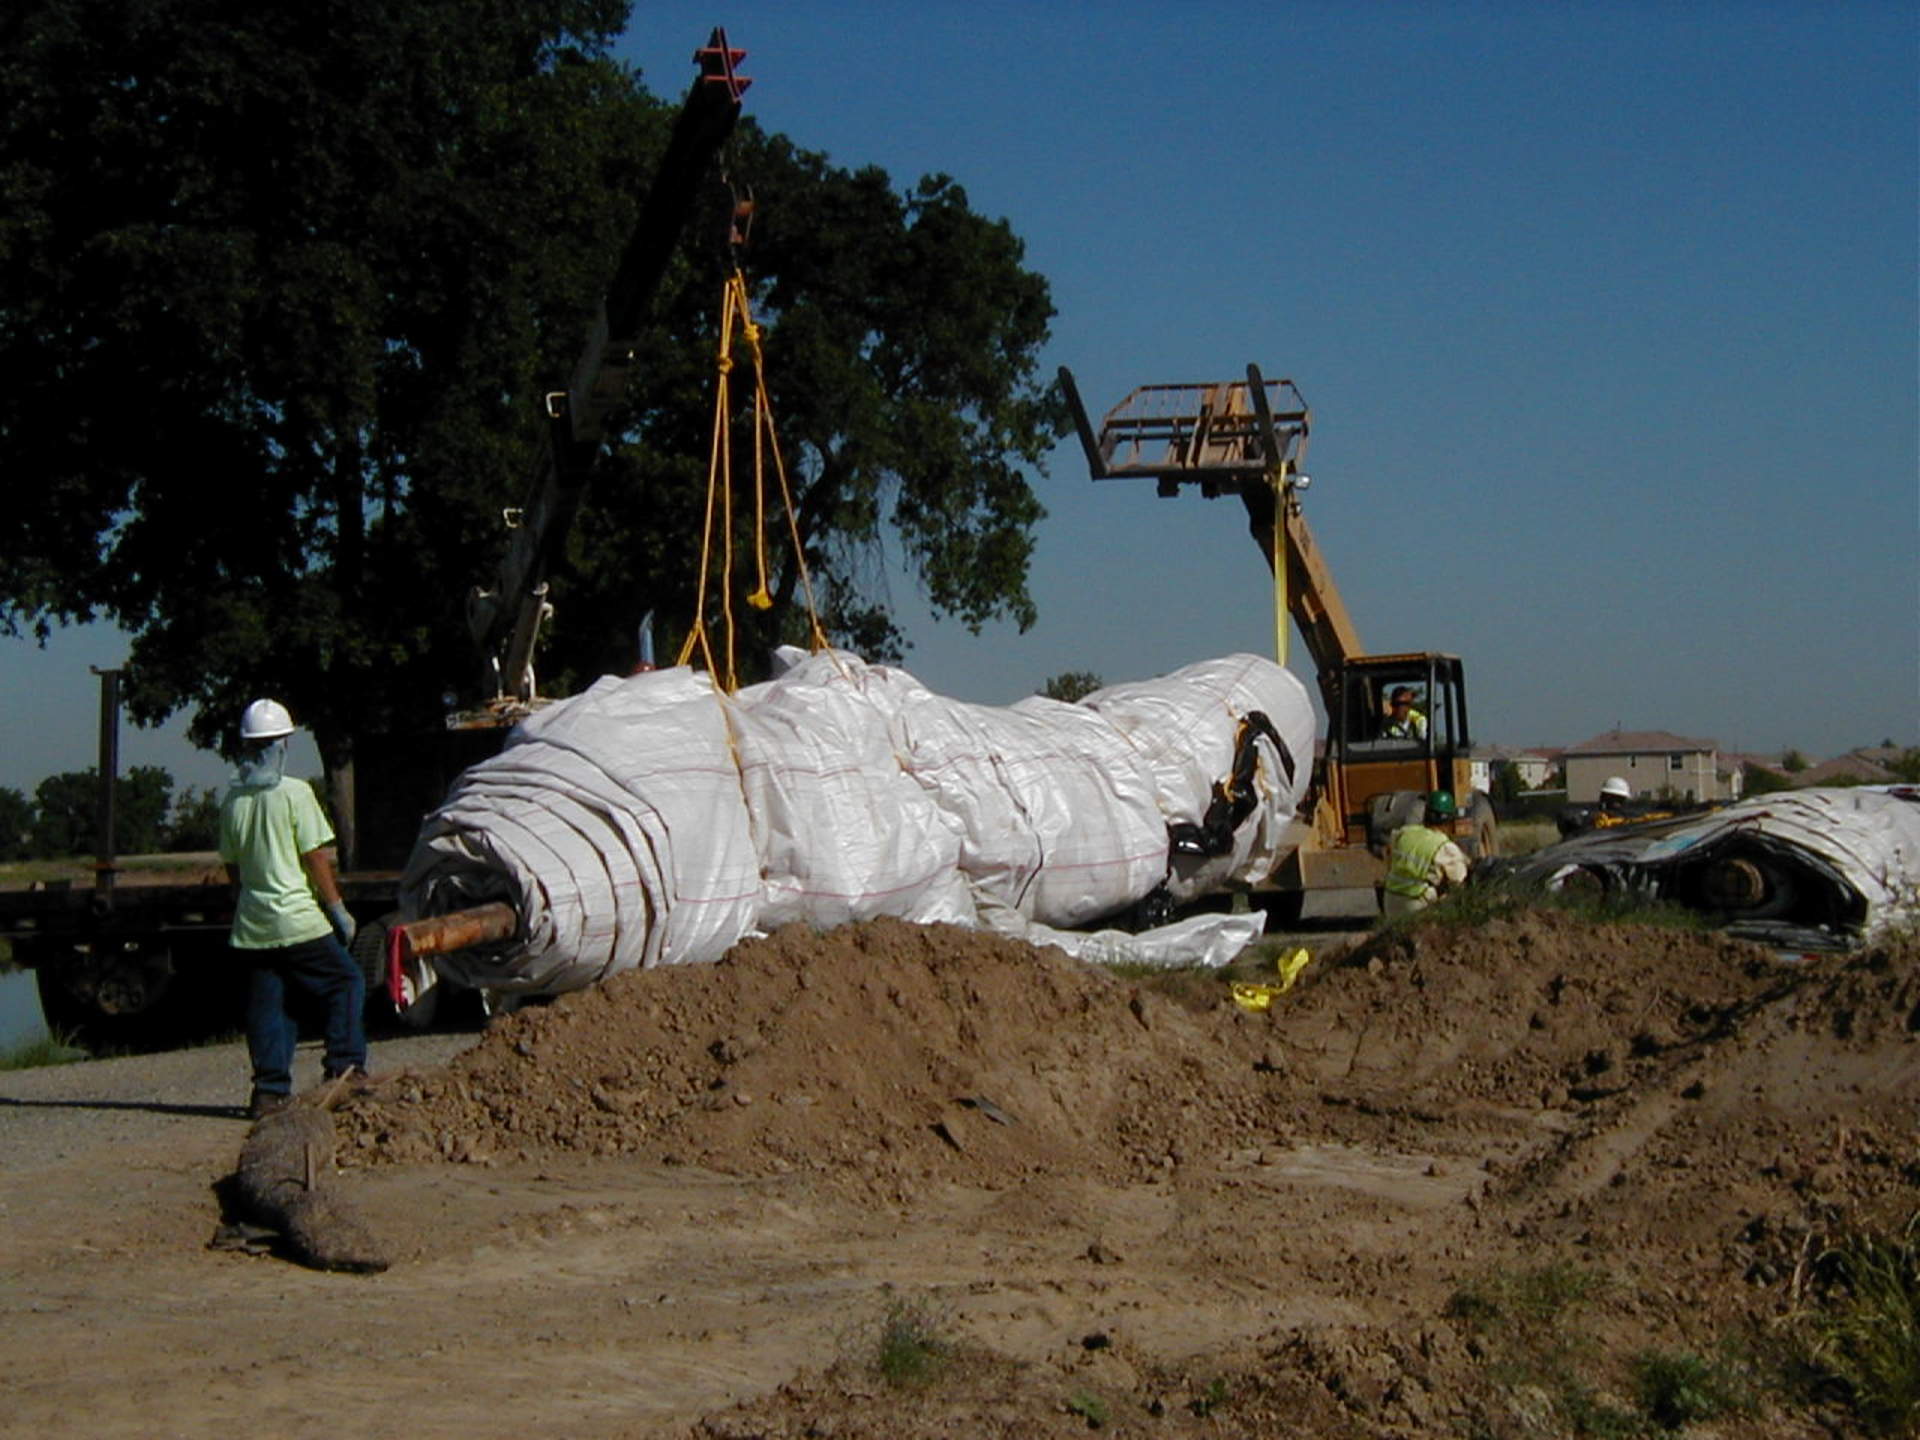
column 1281, row 600
column 736, row 311
column 1250, row 996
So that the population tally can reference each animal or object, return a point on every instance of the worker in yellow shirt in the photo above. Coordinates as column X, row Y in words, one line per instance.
column 289, row 922
column 1403, row 722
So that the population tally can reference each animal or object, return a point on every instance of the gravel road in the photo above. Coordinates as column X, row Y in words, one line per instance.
column 60, row 1111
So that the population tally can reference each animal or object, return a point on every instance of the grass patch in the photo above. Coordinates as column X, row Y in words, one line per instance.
column 1526, row 1327
column 1676, row 1389
column 1137, row 971
column 78, row 869
column 1525, row 1299
column 1523, row 837
column 1858, row 1344
column 36, row 1054
column 20, row 874
column 1476, row 905
column 1089, row 1407
column 1212, row 1398
column 1520, row 1321
column 910, row 1347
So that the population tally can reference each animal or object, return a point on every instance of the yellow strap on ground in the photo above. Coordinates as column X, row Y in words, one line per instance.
column 1290, row 967
column 1250, row 996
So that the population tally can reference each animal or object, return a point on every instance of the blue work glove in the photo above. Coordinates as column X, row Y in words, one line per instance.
column 343, row 924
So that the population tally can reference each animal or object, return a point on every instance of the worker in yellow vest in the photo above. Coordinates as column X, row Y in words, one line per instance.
column 1422, row 862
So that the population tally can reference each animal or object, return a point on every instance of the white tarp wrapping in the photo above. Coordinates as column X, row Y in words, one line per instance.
column 1870, row 836
column 1838, row 864
column 654, row 820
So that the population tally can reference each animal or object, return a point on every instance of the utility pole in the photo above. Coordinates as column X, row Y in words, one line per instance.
column 104, row 870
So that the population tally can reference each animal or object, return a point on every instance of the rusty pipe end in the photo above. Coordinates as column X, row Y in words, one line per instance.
column 456, row 930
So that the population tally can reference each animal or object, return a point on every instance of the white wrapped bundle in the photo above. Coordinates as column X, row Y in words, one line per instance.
column 653, row 820
column 842, row 832
column 1185, row 726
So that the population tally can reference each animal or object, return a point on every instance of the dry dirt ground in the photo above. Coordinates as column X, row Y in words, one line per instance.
column 698, row 1202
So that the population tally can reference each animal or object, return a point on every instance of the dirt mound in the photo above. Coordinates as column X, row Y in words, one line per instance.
column 889, row 1050
column 901, row 1052
column 1689, row 1115
column 1292, row 1386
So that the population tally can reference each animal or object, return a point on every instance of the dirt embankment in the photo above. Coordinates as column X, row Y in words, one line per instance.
column 1681, row 1111
column 688, row 1202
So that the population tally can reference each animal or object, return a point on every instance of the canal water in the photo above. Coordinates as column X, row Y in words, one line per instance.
column 20, row 1019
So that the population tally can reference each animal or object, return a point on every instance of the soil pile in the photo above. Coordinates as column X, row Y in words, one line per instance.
column 1695, row 1116
column 884, row 1051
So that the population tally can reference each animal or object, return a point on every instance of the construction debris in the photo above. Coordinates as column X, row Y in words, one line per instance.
column 283, row 1187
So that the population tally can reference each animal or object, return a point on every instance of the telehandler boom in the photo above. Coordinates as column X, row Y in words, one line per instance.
column 1249, row 438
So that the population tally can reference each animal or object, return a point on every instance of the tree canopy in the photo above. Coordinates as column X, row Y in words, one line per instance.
column 280, row 290
column 66, row 816
column 1071, row 685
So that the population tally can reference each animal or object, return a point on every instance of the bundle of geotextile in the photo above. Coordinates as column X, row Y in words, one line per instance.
column 655, row 819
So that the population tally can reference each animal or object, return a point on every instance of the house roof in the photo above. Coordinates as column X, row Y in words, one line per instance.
column 1879, row 754
column 1853, row 766
column 1640, row 742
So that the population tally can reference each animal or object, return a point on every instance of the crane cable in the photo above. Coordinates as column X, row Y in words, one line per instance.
column 736, row 311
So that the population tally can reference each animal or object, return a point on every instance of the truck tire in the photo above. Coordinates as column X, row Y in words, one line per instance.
column 1388, row 813
column 1483, row 842
column 141, row 1000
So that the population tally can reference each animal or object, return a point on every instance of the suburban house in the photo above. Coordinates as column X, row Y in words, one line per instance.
column 1655, row 764
column 1535, row 766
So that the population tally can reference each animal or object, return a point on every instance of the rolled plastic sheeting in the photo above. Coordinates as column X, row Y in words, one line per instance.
column 1832, row 865
column 655, row 820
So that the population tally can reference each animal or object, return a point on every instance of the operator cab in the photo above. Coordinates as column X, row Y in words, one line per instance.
column 1397, row 727
column 1401, row 707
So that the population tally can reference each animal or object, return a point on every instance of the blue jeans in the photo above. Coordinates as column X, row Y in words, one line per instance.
column 323, row 969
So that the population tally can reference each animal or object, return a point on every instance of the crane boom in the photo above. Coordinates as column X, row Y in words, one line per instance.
column 505, row 618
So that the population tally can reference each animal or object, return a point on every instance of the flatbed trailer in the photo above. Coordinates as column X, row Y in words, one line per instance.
column 144, row 961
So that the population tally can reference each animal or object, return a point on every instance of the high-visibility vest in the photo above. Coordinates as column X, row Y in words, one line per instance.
column 1413, row 727
column 1409, row 859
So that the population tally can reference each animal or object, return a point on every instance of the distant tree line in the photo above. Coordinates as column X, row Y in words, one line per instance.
column 62, row 817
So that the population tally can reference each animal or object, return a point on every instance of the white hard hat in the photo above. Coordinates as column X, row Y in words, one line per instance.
column 265, row 720
column 1616, row 786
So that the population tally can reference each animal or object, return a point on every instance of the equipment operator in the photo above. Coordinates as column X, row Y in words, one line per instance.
column 1403, row 721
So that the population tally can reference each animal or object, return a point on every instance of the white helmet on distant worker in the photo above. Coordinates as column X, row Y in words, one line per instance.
column 1618, row 788
column 265, row 720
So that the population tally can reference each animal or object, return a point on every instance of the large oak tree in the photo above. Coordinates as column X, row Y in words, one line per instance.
column 280, row 289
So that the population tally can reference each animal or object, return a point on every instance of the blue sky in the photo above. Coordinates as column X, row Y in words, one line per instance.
column 1606, row 312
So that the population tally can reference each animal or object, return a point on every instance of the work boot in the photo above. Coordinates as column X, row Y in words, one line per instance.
column 267, row 1102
